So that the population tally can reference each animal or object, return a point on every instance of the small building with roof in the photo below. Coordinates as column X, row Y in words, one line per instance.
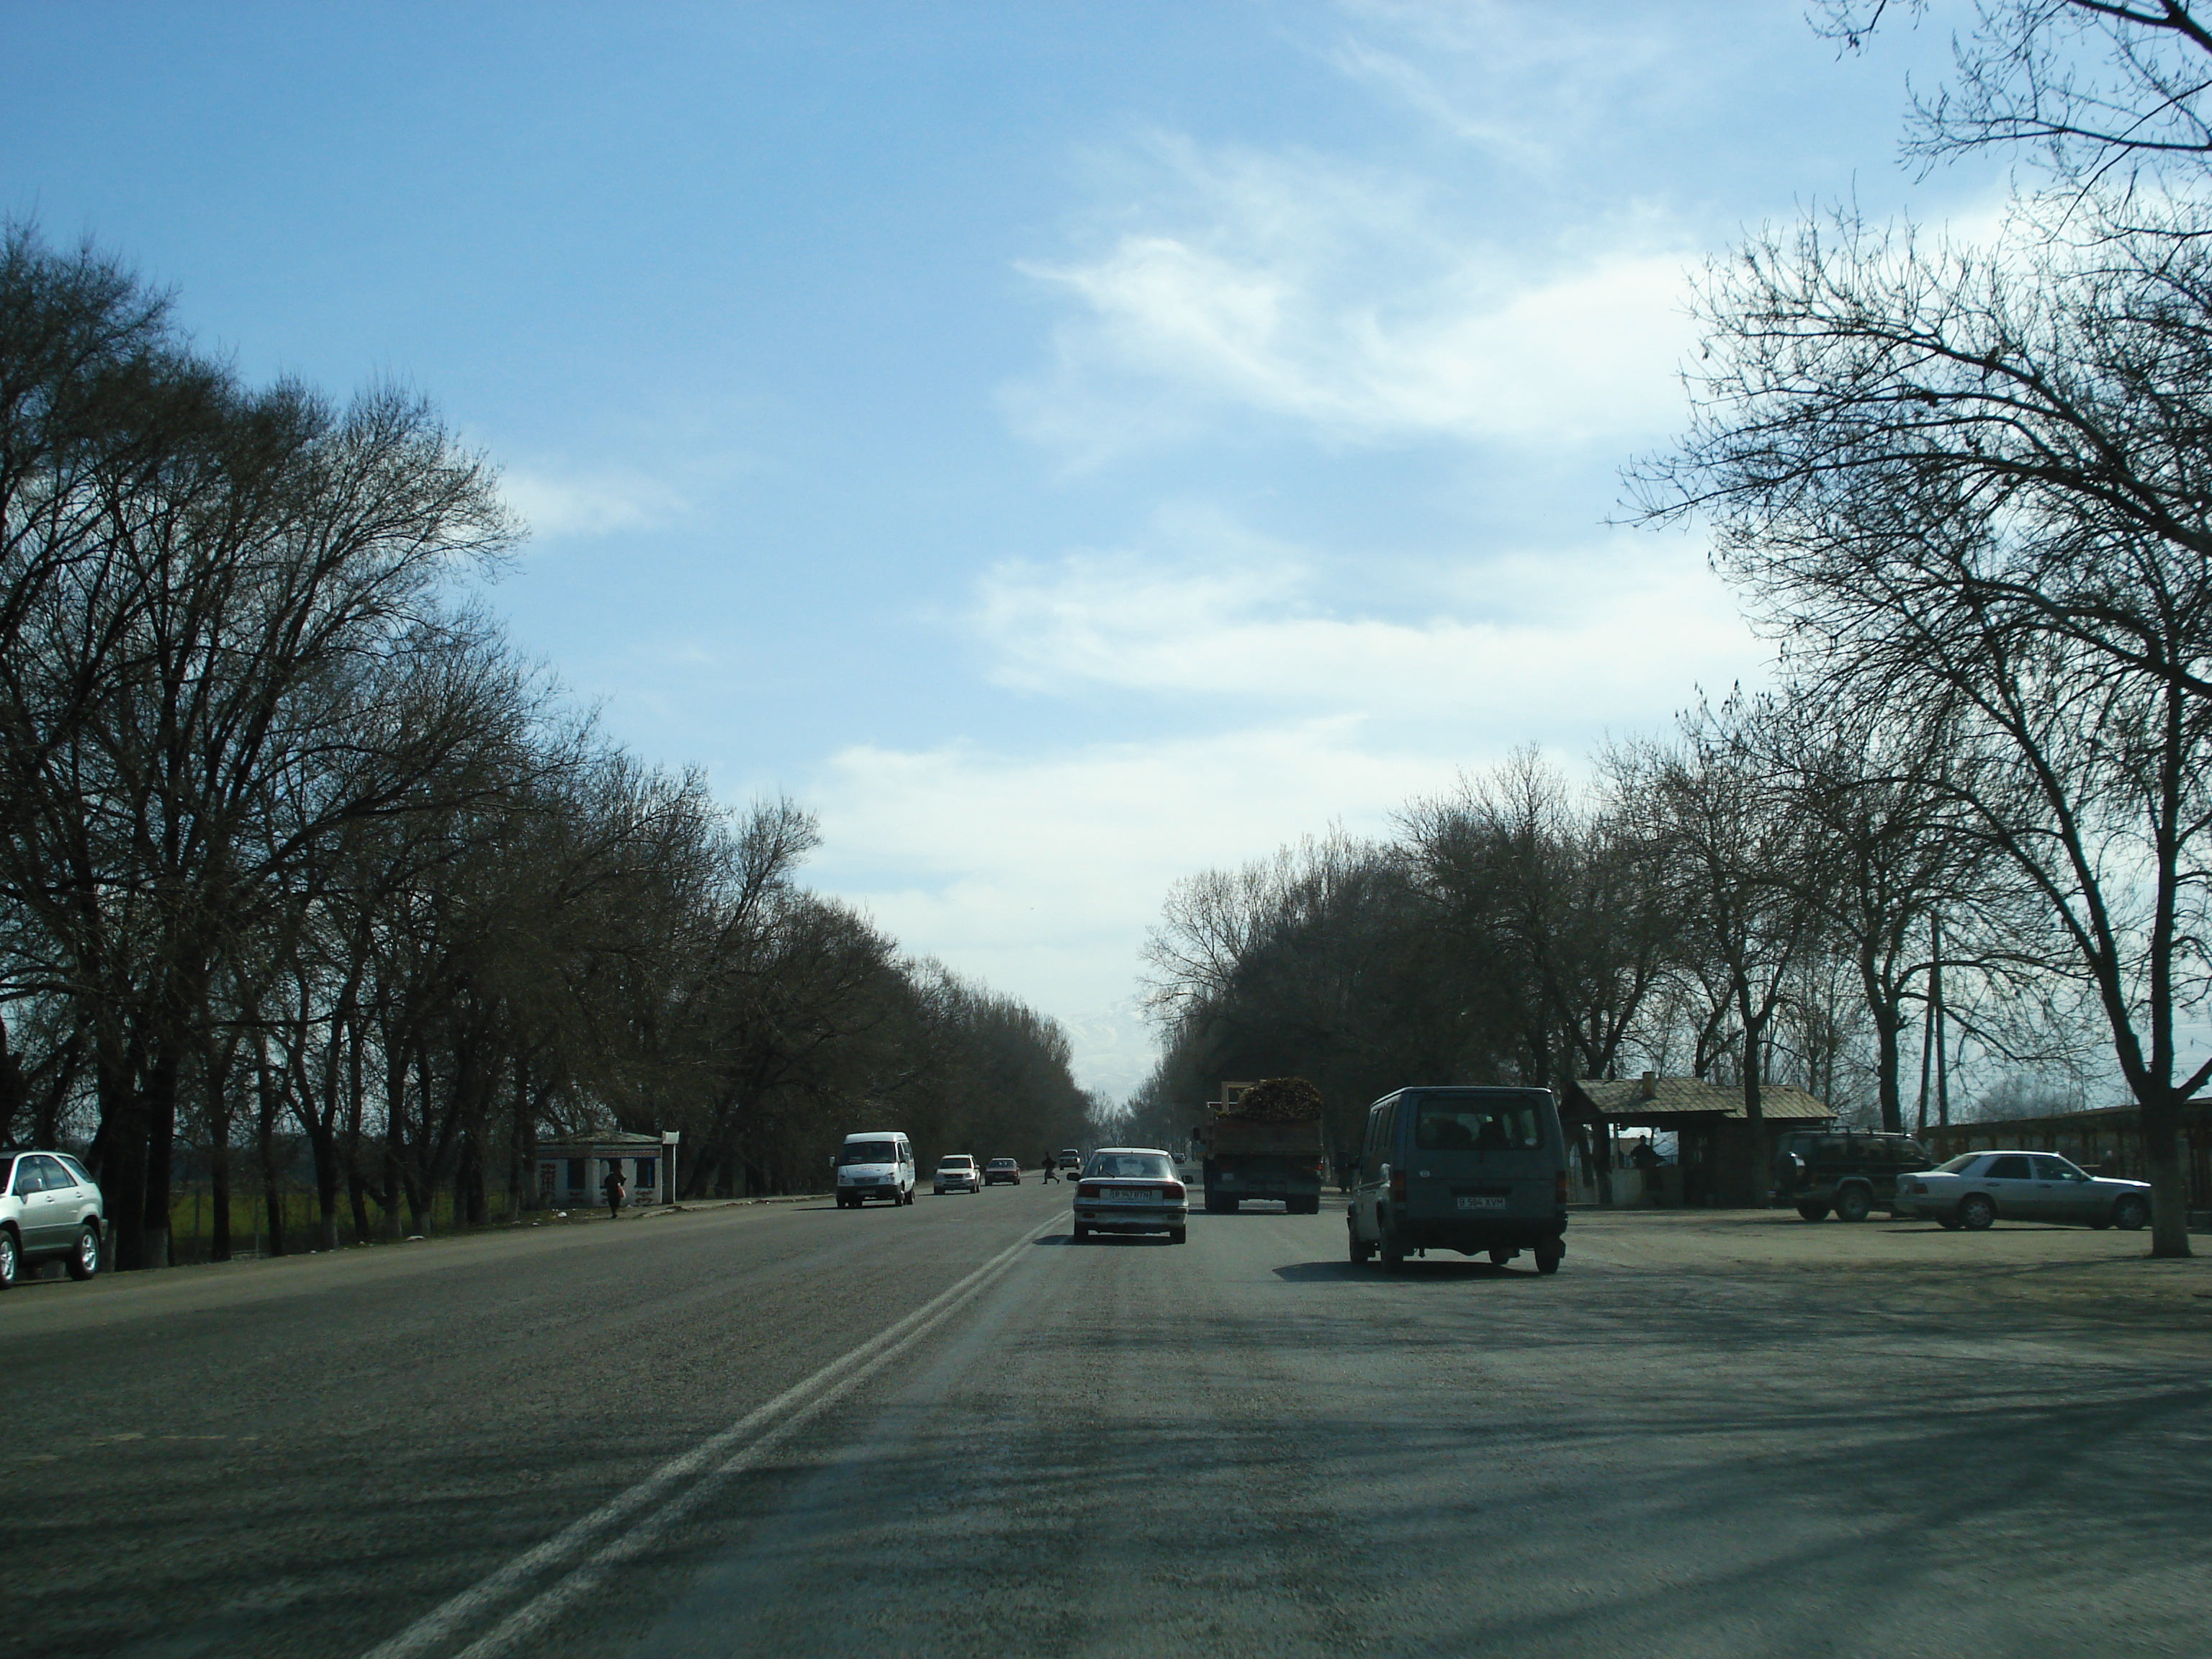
column 1711, row 1136
column 571, row 1172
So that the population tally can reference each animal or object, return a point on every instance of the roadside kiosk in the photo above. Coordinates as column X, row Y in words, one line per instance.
column 570, row 1172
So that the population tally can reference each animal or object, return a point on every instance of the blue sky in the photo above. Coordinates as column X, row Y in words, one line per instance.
column 1067, row 445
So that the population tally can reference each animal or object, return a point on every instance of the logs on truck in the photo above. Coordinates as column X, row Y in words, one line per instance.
column 1263, row 1142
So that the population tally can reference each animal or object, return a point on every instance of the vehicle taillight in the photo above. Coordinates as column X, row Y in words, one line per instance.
column 1397, row 1186
column 1173, row 1190
column 1086, row 1190
column 1559, row 1188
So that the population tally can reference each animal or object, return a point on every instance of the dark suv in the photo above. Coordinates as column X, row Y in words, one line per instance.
column 1852, row 1174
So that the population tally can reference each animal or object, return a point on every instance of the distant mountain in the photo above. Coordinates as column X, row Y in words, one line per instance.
column 1114, row 1049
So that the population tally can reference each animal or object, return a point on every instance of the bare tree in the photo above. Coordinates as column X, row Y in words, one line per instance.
column 1957, row 480
column 2089, row 87
column 1747, row 873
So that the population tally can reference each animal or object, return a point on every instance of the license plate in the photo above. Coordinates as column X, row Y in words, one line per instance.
column 1141, row 1195
column 1482, row 1204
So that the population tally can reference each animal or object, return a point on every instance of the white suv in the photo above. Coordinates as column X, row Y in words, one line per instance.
column 50, row 1210
column 958, row 1173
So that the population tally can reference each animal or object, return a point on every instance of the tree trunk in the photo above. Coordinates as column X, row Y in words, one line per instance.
column 2169, row 1178
column 1754, row 1114
column 160, row 1121
column 121, row 1148
column 219, row 1064
column 264, row 1141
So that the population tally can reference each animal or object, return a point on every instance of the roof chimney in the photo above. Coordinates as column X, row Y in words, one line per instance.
column 1650, row 1091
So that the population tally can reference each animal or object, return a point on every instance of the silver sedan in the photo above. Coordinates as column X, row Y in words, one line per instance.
column 1975, row 1189
column 1131, row 1189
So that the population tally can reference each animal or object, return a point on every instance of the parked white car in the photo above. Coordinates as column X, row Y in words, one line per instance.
column 50, row 1210
column 1975, row 1189
column 958, row 1173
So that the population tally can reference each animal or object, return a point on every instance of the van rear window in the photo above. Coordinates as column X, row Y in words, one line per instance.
column 1472, row 1126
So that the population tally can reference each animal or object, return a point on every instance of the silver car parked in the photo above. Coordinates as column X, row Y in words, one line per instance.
column 50, row 1210
column 1975, row 1189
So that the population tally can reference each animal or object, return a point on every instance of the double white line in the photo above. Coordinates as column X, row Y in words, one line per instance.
column 578, row 1558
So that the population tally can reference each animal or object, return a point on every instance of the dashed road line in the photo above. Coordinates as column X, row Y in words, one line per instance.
column 578, row 1557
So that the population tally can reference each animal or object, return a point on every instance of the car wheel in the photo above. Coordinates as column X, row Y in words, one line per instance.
column 1813, row 1212
column 1175, row 1234
column 1393, row 1253
column 1549, row 1255
column 1228, row 1205
column 1362, row 1252
column 1082, row 1232
column 84, row 1261
column 1854, row 1204
column 1976, row 1212
column 2130, row 1214
column 11, row 1259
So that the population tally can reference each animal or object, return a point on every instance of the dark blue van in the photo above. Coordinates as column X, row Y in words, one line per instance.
column 1471, row 1170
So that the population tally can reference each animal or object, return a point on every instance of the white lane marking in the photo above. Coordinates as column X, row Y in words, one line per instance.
column 712, row 1459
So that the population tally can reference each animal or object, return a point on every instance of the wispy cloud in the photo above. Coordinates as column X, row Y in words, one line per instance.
column 1529, row 84
column 1540, row 643
column 1357, row 304
column 564, row 503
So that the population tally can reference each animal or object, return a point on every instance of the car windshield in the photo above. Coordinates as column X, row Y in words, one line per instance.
column 1957, row 1165
column 954, row 1163
column 1468, row 1126
column 868, row 1152
column 1131, row 1166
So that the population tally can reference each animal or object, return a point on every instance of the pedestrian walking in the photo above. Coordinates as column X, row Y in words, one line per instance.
column 1051, row 1169
column 613, row 1186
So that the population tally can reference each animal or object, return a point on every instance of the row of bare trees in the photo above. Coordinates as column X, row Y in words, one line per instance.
column 294, row 852
column 1753, row 900
column 1967, row 490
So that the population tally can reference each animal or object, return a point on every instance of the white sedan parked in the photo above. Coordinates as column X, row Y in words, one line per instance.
column 1975, row 1189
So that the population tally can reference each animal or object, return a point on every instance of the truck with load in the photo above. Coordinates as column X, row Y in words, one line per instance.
column 1263, row 1140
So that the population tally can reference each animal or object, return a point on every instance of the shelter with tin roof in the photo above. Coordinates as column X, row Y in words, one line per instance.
column 1709, row 1128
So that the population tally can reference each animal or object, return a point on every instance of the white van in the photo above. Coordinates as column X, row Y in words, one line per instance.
column 878, row 1165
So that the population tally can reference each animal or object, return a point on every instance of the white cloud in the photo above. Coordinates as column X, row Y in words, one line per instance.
column 567, row 502
column 1528, row 644
column 1355, row 302
column 1039, row 873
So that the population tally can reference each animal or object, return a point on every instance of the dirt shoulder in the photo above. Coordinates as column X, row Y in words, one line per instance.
column 2072, row 1273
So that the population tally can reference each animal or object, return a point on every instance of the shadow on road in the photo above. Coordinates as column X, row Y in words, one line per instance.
column 1328, row 1273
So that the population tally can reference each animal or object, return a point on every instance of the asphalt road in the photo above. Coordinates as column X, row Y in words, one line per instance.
column 790, row 1430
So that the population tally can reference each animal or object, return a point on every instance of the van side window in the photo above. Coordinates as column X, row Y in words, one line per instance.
column 1371, row 1157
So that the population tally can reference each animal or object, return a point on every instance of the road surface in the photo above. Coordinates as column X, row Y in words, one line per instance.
column 789, row 1429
